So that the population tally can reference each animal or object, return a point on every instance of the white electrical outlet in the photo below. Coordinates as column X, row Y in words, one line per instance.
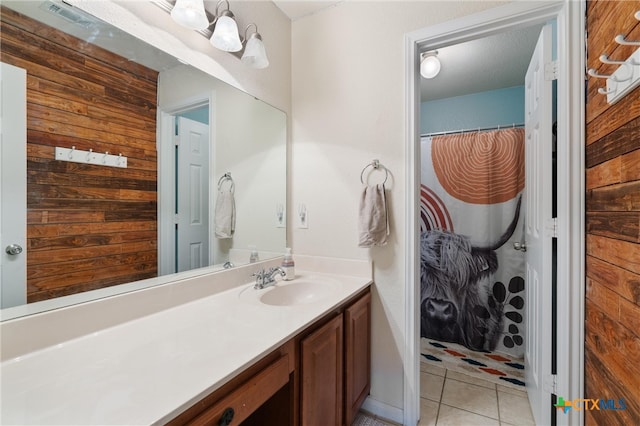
column 303, row 216
column 281, row 216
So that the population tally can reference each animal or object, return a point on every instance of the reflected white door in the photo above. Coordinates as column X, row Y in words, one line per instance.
column 13, row 186
column 192, row 248
column 538, row 153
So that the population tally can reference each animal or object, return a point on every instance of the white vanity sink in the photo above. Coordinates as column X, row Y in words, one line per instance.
column 300, row 291
column 295, row 293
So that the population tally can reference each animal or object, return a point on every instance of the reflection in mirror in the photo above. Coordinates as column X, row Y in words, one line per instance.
column 205, row 178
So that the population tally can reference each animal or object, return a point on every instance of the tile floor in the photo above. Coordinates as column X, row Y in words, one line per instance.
column 367, row 419
column 452, row 398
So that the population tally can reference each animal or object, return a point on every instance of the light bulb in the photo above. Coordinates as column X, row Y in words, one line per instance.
column 255, row 54
column 190, row 14
column 430, row 64
column 225, row 34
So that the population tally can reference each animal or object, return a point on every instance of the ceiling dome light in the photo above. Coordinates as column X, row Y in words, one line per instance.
column 190, row 14
column 429, row 64
column 255, row 55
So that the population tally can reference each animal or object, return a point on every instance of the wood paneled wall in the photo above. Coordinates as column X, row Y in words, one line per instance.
column 612, row 318
column 88, row 226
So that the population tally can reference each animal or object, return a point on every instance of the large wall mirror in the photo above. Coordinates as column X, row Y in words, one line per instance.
column 138, row 166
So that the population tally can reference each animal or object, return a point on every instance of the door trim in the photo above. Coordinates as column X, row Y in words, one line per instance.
column 166, row 175
column 570, row 18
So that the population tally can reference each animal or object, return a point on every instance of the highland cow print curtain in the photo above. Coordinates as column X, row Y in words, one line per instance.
column 471, row 213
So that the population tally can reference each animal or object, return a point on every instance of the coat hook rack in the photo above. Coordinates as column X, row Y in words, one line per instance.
column 90, row 157
column 626, row 77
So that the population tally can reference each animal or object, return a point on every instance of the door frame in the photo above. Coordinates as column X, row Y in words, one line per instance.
column 167, row 175
column 570, row 18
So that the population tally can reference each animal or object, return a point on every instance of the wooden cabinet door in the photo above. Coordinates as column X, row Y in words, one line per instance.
column 357, row 322
column 321, row 375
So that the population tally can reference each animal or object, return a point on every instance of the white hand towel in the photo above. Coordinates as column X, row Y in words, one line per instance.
column 225, row 217
column 373, row 221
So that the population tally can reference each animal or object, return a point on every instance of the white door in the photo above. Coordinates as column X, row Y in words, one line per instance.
column 13, row 186
column 538, row 154
column 192, row 248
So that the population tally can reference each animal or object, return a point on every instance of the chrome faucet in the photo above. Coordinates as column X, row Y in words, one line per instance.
column 266, row 278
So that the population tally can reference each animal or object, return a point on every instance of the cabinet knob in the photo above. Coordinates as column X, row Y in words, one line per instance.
column 227, row 417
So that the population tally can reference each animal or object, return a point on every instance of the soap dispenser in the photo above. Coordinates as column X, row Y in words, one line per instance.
column 253, row 257
column 288, row 265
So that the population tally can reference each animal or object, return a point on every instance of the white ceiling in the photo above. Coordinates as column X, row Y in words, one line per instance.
column 490, row 63
column 296, row 9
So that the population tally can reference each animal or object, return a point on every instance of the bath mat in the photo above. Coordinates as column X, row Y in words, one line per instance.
column 495, row 367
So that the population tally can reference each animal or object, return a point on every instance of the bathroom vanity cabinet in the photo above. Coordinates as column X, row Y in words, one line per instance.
column 319, row 377
column 357, row 355
column 335, row 366
column 321, row 374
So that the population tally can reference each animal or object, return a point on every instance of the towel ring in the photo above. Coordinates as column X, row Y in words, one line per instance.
column 376, row 166
column 226, row 177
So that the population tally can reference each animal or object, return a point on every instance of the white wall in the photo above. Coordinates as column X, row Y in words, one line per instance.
column 348, row 108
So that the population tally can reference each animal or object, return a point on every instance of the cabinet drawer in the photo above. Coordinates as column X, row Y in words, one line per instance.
column 249, row 396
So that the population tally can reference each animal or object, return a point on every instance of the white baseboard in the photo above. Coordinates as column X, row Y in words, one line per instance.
column 385, row 411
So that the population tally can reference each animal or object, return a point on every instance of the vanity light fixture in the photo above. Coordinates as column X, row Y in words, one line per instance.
column 254, row 54
column 429, row 64
column 225, row 36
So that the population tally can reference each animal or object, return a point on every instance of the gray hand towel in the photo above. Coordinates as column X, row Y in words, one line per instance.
column 373, row 221
column 225, row 216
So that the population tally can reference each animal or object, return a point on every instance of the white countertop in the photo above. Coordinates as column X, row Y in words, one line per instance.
column 150, row 369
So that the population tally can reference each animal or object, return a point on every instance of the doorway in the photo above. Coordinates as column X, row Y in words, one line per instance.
column 570, row 245
column 478, row 288
column 192, row 189
column 185, row 156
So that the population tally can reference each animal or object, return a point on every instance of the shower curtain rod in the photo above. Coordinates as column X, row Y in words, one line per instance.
column 477, row 129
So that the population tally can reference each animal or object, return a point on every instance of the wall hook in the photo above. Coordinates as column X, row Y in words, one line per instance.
column 629, row 62
column 594, row 73
column 621, row 40
column 73, row 148
column 605, row 60
column 89, row 154
column 604, row 91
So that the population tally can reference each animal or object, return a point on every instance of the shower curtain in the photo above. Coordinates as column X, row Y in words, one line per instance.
column 471, row 213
